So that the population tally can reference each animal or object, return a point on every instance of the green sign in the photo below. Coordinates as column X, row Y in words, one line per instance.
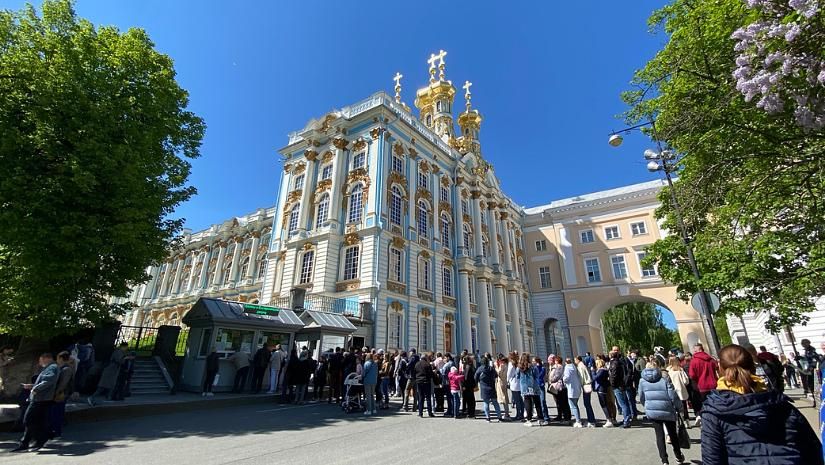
column 261, row 309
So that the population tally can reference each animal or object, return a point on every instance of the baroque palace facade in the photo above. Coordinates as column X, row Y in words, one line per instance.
column 403, row 218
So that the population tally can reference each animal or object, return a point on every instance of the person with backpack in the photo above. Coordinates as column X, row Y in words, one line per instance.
column 743, row 422
column 486, row 377
column 618, row 376
column 662, row 406
column 806, row 365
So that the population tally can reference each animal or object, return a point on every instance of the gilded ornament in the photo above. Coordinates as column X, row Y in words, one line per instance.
column 327, row 157
column 423, row 194
column 340, row 143
column 397, row 306
column 359, row 144
column 293, row 196
column 287, row 167
column 351, row 239
column 327, row 123
column 398, row 242
column 396, row 177
column 396, row 287
column 467, row 218
column 323, row 185
column 444, row 206
column 475, row 194
column 425, row 312
column 398, row 149
column 310, row 155
column 435, row 168
column 413, row 152
column 299, row 168
column 424, row 167
column 465, row 194
column 445, row 181
column 447, row 262
column 307, row 246
column 425, row 255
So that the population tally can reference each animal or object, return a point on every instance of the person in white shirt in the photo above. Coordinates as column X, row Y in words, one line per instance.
column 276, row 363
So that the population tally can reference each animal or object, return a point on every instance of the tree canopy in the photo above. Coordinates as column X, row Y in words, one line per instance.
column 94, row 140
column 751, row 179
column 638, row 325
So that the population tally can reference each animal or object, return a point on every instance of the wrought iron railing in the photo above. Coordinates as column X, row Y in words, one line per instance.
column 323, row 303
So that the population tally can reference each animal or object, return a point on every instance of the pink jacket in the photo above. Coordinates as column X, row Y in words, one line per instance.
column 455, row 381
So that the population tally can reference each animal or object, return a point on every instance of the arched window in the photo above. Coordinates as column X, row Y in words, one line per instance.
column 262, row 267
column 174, row 319
column 424, row 333
column 445, row 194
column 424, row 274
column 423, row 221
column 197, row 274
column 292, row 226
column 485, row 246
column 445, row 230
column 307, row 263
column 395, row 268
column 396, row 205
column 356, row 207
column 552, row 336
column 323, row 211
column 210, row 274
column 447, row 281
column 467, row 237
column 429, row 120
column 227, row 267
column 244, row 268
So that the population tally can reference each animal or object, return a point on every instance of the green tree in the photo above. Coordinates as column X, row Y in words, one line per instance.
column 751, row 182
column 94, row 142
column 638, row 325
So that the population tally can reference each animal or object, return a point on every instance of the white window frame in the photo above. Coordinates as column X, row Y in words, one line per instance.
column 598, row 270
column 397, row 164
column 611, row 227
column 396, row 274
column 322, row 213
column 326, row 171
column 423, row 224
column 471, row 284
column 292, row 224
column 445, row 230
column 349, row 274
column 424, row 274
column 396, row 206
column 359, row 160
column 395, row 324
column 299, row 182
column 423, row 180
column 642, row 231
column 447, row 281
column 355, row 212
column 622, row 262
column 591, row 236
column 424, row 333
column 307, row 267
column 544, row 277
column 445, row 194
column 639, row 257
column 541, row 245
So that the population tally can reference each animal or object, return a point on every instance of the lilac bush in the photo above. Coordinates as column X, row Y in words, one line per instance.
column 780, row 59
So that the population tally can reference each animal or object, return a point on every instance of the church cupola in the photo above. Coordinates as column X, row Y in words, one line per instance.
column 435, row 101
column 470, row 123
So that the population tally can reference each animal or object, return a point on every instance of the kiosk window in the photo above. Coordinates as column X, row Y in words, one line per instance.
column 273, row 338
column 229, row 341
column 206, row 339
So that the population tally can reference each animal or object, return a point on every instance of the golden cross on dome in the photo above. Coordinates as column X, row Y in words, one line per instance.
column 467, row 95
column 431, row 61
column 397, row 80
column 441, row 55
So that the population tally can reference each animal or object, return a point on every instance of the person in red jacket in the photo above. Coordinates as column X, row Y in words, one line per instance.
column 704, row 372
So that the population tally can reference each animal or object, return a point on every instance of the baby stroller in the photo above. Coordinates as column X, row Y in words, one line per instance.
column 352, row 394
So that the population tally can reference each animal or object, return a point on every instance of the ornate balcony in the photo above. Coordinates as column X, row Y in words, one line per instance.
column 398, row 288
column 425, row 295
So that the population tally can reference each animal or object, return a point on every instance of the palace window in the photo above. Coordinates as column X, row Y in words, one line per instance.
column 544, row 276
column 307, row 262
column 429, row 120
column 611, row 232
column 424, row 275
column 299, row 182
column 423, row 222
column 356, row 207
column 485, row 246
column 262, row 268
column 638, row 228
column 292, row 226
column 447, row 281
column 647, row 272
column 359, row 160
column 323, row 211
column 326, row 172
column 489, row 289
column 351, row 262
column 594, row 274
column 395, row 265
column 445, row 194
column 467, row 236
column 397, row 164
column 541, row 245
column 587, row 236
column 227, row 267
column 465, row 207
column 619, row 266
column 483, row 216
column 424, row 334
column 445, row 230
column 474, row 336
column 393, row 329
column 471, row 286
column 244, row 268
column 423, row 180
column 396, row 205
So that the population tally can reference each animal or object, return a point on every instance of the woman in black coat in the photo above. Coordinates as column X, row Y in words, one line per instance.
column 744, row 423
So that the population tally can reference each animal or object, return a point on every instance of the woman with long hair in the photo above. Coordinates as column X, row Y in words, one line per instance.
column 468, row 387
column 515, row 387
column 743, row 422
column 501, row 385
column 486, row 377
column 573, row 385
column 556, row 381
column 601, row 381
column 680, row 381
column 587, row 389
column 529, row 389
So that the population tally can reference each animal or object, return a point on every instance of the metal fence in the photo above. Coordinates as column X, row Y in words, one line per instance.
column 324, row 303
column 141, row 339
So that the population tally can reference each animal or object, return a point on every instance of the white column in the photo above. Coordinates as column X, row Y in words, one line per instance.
column 204, row 269
column 167, row 270
column 505, row 239
column 476, row 215
column 412, row 186
column 464, row 310
column 174, row 285
column 501, row 319
column 309, row 184
column 485, row 340
column 253, row 255
column 191, row 279
column 219, row 265
column 153, row 271
column 236, row 256
column 492, row 230
column 339, row 169
column 515, row 311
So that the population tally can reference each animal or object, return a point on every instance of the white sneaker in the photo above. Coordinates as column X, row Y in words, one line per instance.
column 698, row 422
column 577, row 425
column 591, row 425
column 367, row 413
column 209, row 394
column 528, row 423
column 608, row 424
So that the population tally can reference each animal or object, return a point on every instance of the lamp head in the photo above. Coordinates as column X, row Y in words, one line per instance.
column 651, row 154
column 653, row 166
column 615, row 140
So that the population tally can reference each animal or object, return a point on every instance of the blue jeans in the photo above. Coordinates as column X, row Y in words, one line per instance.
column 542, row 395
column 519, row 401
column 573, row 402
column 591, row 417
column 631, row 399
column 385, row 390
column 624, row 406
column 485, row 407
column 456, row 401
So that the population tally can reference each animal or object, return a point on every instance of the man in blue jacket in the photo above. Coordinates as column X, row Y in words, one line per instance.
column 40, row 399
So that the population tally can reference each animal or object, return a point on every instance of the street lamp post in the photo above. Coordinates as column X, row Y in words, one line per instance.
column 662, row 161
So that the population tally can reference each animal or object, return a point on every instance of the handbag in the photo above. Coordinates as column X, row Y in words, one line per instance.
column 684, row 437
column 554, row 388
column 588, row 389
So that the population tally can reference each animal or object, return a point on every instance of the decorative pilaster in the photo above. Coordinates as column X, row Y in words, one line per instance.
column 485, row 340
column 219, row 265
column 339, row 167
column 236, row 256
column 205, row 254
column 191, row 279
column 464, row 310
column 492, row 231
column 476, row 213
column 253, row 256
column 306, row 193
column 504, row 344
column 505, row 240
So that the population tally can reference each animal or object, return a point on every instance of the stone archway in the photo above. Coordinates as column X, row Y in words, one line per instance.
column 585, row 309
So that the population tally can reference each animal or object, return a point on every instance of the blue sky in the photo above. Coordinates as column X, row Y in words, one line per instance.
column 547, row 78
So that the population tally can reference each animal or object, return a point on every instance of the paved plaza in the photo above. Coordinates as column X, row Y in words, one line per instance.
column 320, row 433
